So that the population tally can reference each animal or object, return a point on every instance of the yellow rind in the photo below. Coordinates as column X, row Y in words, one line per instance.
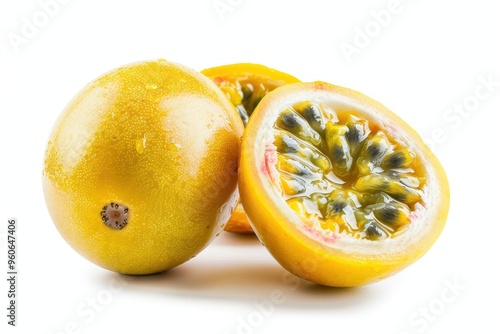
column 129, row 137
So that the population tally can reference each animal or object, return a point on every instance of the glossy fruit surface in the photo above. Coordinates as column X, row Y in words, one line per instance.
column 245, row 85
column 140, row 169
column 340, row 190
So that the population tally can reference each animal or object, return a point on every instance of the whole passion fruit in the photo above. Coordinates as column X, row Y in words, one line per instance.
column 140, row 170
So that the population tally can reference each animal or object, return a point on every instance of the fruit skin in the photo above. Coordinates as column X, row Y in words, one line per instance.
column 238, row 223
column 257, row 72
column 332, row 262
column 156, row 137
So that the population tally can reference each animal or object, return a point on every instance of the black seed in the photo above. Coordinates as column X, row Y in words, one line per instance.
column 247, row 92
column 373, row 231
column 105, row 208
column 336, row 207
column 252, row 104
column 374, row 152
column 384, row 185
column 338, row 153
column 388, row 214
column 303, row 170
column 400, row 197
column 313, row 115
column 352, row 135
column 126, row 210
column 395, row 160
column 290, row 120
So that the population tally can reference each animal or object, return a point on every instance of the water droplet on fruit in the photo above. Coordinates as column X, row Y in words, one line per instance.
column 140, row 144
column 174, row 147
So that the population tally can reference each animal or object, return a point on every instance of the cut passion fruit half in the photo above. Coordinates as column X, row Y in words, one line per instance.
column 245, row 85
column 340, row 190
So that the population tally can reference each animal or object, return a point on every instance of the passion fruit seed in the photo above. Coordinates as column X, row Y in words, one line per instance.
column 115, row 215
column 399, row 159
column 290, row 121
column 288, row 143
column 338, row 148
column 244, row 94
column 393, row 214
column 390, row 185
column 372, row 231
column 342, row 174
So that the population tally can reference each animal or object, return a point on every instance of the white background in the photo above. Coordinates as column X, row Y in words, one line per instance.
column 430, row 57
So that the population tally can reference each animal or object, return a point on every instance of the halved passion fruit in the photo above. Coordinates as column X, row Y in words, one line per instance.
column 339, row 189
column 245, row 85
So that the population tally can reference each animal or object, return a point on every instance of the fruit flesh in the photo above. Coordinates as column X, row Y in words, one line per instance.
column 342, row 174
column 245, row 94
column 246, row 84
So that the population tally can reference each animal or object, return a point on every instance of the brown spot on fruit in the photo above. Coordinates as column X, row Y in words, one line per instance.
column 115, row 215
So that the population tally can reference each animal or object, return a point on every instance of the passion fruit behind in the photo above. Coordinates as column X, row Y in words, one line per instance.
column 140, row 169
column 245, row 84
